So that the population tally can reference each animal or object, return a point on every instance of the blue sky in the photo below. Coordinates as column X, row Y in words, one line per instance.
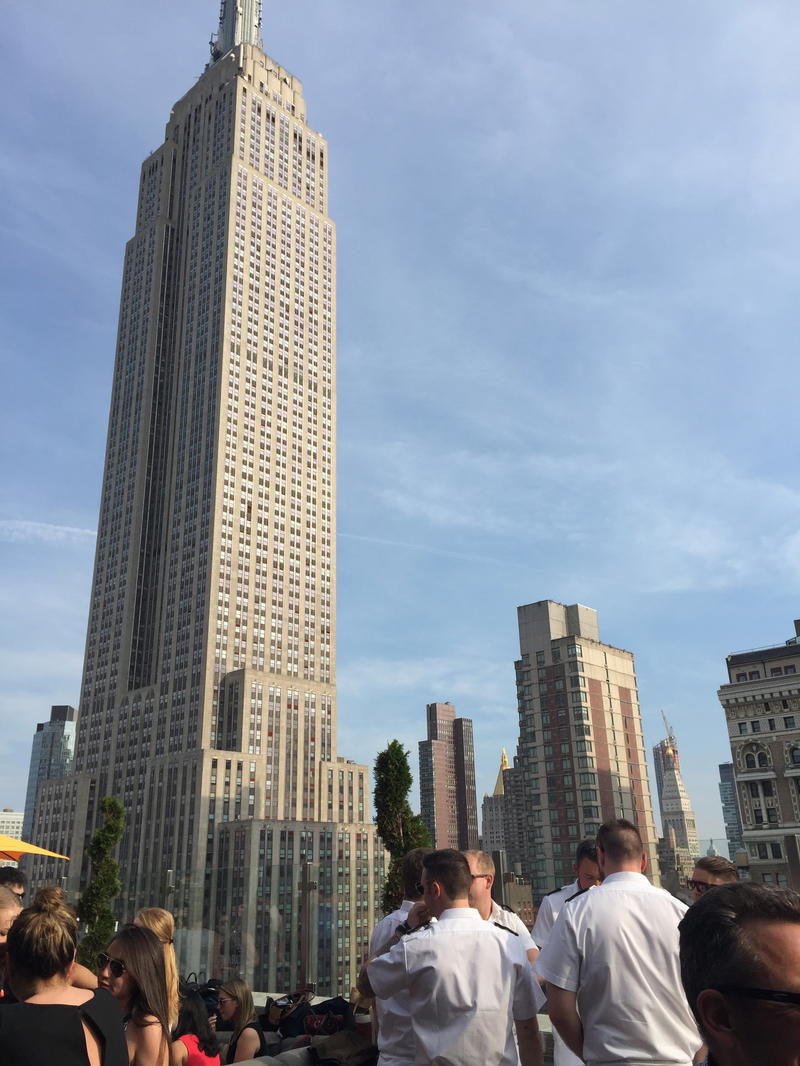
column 567, row 326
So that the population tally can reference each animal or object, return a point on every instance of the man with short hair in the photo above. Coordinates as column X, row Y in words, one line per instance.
column 709, row 871
column 740, row 966
column 464, row 979
column 395, row 1038
column 611, row 964
column 587, row 875
column 481, row 868
column 13, row 878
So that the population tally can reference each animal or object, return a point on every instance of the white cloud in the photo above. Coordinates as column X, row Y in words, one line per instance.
column 20, row 531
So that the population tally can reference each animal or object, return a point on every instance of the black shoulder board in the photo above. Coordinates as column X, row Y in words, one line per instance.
column 571, row 898
column 506, row 929
column 506, row 907
column 552, row 891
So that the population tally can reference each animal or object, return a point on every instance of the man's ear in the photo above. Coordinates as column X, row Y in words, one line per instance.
column 715, row 1013
column 644, row 861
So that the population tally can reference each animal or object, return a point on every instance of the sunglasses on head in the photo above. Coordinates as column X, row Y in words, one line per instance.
column 116, row 966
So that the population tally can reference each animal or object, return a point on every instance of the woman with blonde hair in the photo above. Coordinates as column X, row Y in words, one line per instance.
column 162, row 923
column 55, row 1021
column 236, row 1006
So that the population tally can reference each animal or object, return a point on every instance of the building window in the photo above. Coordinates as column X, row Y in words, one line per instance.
column 763, row 761
column 742, row 728
column 756, row 727
column 750, row 761
column 788, row 721
column 741, row 677
column 754, row 675
column 790, row 669
column 796, row 756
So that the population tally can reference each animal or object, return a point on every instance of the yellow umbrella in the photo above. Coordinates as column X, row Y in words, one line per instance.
column 11, row 848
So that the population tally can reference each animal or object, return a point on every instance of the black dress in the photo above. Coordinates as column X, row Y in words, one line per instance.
column 42, row 1034
column 262, row 1044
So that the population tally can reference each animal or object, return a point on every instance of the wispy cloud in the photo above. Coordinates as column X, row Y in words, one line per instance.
column 20, row 531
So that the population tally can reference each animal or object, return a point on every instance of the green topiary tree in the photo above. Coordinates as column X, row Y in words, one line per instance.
column 94, row 910
column 400, row 829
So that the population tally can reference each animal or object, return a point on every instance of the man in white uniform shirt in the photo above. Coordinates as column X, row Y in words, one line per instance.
column 466, row 978
column 395, row 1038
column 587, row 875
column 612, row 968
column 481, row 868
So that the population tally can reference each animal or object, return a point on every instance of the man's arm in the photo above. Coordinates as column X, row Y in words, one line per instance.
column 564, row 1015
column 530, row 1045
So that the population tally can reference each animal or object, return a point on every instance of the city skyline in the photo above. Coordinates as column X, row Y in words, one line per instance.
column 616, row 284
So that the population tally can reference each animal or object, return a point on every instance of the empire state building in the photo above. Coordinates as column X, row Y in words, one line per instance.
column 208, row 701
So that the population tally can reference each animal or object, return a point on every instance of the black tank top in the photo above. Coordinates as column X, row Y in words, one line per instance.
column 41, row 1034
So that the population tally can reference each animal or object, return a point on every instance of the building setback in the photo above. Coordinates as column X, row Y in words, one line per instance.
column 580, row 757
column 447, row 779
column 208, row 702
column 761, row 702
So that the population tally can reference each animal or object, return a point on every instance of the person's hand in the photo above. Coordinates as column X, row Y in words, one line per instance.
column 418, row 915
column 212, row 1022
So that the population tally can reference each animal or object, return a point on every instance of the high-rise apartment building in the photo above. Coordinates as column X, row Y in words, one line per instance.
column 448, row 804
column 580, row 757
column 52, row 752
column 761, row 701
column 730, row 809
column 673, row 800
column 493, row 812
column 208, row 702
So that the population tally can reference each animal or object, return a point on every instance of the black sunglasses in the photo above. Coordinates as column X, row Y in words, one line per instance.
column 772, row 995
column 699, row 886
column 116, row 966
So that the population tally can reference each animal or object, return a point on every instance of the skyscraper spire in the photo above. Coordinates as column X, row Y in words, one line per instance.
column 239, row 23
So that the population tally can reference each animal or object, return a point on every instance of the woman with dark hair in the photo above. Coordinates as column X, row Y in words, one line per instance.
column 194, row 1043
column 54, row 1022
column 132, row 969
column 236, row 1006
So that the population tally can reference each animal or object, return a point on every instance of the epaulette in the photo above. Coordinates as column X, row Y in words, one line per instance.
column 579, row 893
column 506, row 907
column 505, row 927
column 552, row 892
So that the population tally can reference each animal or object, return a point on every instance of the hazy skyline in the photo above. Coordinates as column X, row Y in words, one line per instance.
column 572, row 378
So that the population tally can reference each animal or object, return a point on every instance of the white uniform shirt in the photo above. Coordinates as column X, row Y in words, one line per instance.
column 511, row 920
column 548, row 912
column 395, row 1038
column 465, row 980
column 617, row 947
column 546, row 916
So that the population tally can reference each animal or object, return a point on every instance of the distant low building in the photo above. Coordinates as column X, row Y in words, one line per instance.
column 11, row 826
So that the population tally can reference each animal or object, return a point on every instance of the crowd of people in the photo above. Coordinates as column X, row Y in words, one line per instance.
column 628, row 973
column 631, row 974
column 130, row 1010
